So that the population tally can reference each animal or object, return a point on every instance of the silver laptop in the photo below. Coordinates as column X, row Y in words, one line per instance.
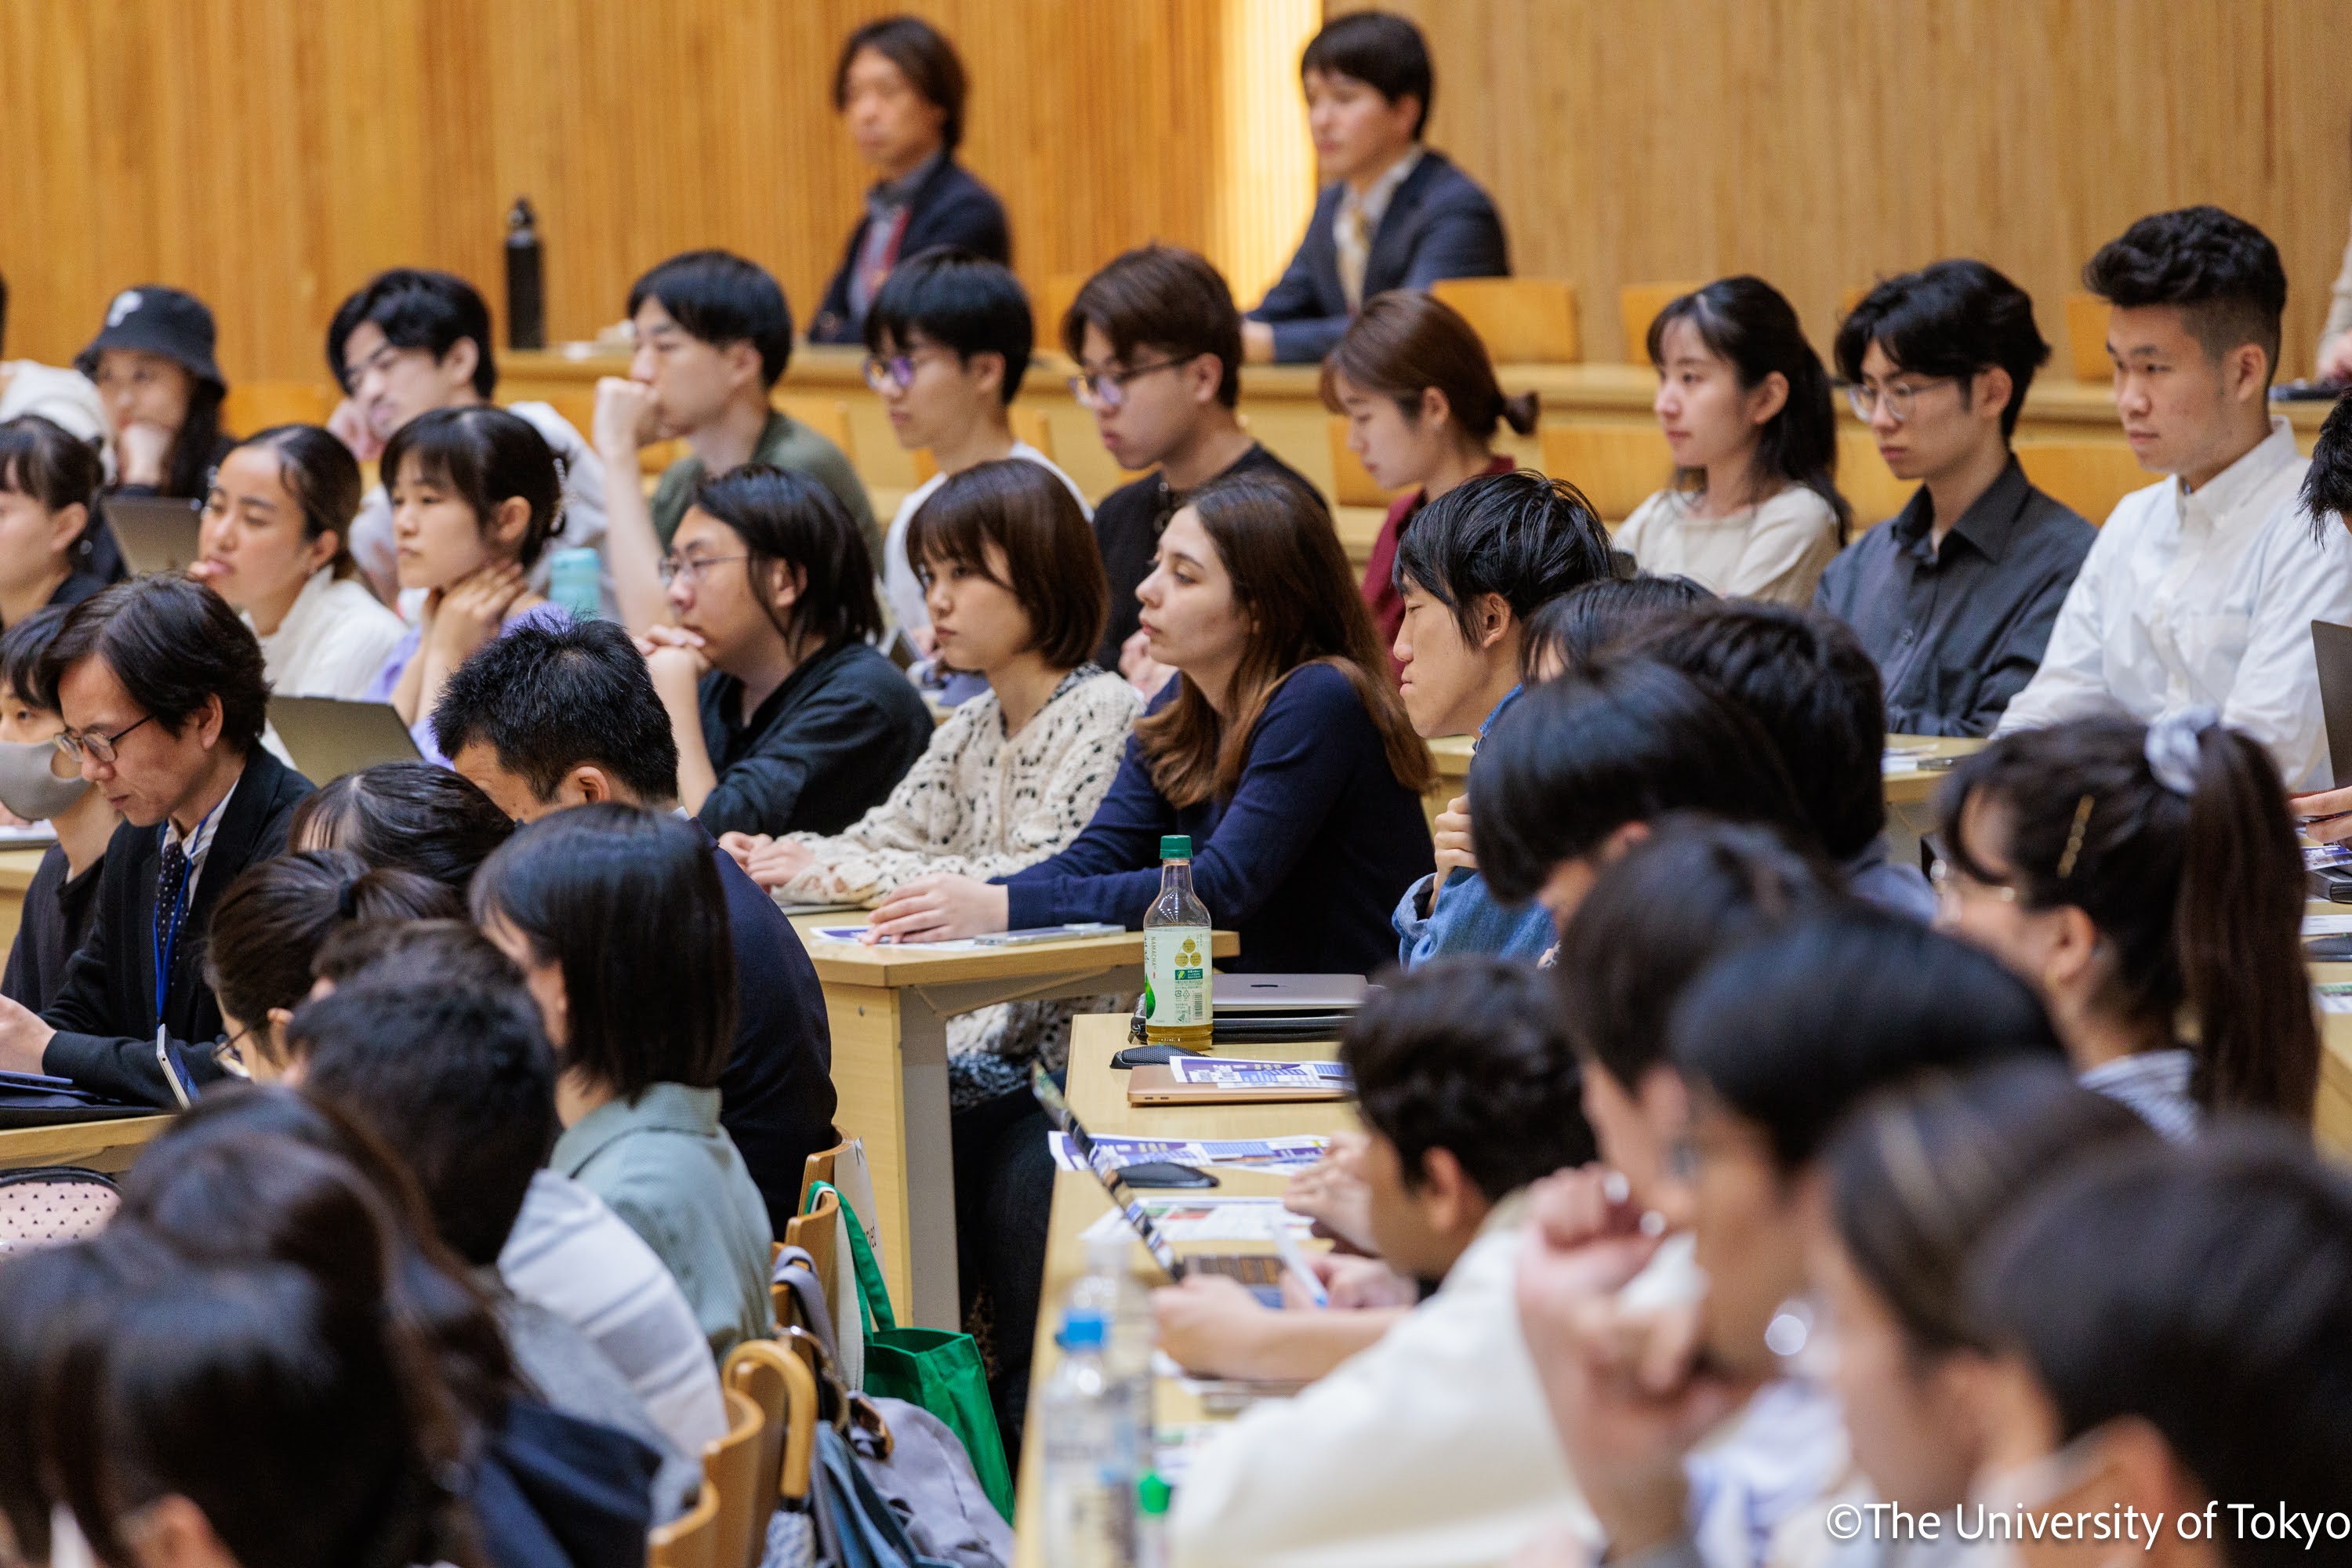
column 1233, row 996
column 2331, row 647
column 327, row 737
column 156, row 534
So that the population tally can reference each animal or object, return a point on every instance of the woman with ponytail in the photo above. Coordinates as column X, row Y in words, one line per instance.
column 1422, row 402
column 2145, row 880
column 272, row 922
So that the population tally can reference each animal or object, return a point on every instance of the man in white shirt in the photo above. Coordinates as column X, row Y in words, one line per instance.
column 412, row 341
column 2200, row 591
column 1433, row 1446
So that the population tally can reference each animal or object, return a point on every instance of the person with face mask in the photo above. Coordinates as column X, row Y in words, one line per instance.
column 62, row 898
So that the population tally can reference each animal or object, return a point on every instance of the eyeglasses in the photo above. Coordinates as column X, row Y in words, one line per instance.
column 1898, row 396
column 689, row 571
column 1105, row 391
column 897, row 370
column 1952, row 885
column 99, row 748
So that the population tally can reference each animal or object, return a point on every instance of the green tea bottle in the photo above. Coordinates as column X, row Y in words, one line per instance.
column 1176, row 954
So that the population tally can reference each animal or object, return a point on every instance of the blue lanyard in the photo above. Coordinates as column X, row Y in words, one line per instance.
column 158, row 942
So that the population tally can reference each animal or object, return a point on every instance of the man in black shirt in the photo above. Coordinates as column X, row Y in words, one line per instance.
column 1955, row 598
column 1158, row 346
column 162, row 688
column 547, row 718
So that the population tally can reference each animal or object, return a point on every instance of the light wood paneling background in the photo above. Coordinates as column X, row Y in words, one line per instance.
column 1820, row 143
column 270, row 155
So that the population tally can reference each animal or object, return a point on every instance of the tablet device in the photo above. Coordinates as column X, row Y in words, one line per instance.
column 327, row 737
column 156, row 534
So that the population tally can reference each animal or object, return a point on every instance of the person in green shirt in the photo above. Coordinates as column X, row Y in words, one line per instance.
column 713, row 336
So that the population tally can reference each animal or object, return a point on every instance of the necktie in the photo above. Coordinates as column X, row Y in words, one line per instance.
column 1355, row 249
column 171, row 910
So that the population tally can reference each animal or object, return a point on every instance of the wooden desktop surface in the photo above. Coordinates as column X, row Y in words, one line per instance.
column 1097, row 1093
column 16, row 868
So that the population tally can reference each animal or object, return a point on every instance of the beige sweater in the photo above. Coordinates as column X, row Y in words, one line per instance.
column 1773, row 551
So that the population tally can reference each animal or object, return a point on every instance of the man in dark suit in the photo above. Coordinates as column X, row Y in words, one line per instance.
column 901, row 90
column 1395, row 216
column 162, row 688
column 544, row 718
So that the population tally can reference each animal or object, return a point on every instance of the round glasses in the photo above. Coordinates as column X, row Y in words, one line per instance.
column 1105, row 391
column 99, row 748
column 690, row 568
column 1899, row 397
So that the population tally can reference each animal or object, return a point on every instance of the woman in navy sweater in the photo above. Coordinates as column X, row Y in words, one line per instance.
column 1280, row 747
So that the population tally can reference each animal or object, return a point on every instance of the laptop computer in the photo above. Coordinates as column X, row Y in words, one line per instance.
column 2331, row 648
column 1269, row 995
column 1259, row 1272
column 327, row 737
column 156, row 534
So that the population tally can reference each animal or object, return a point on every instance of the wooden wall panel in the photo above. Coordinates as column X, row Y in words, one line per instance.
column 1824, row 143
column 270, row 155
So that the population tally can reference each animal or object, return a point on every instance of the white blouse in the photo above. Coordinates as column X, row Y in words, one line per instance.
column 1775, row 549
column 332, row 641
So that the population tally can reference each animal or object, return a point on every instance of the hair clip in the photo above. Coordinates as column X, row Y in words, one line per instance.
column 2074, row 837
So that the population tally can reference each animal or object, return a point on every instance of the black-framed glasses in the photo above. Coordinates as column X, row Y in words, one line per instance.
column 690, row 568
column 1900, row 397
column 1106, row 390
column 99, row 748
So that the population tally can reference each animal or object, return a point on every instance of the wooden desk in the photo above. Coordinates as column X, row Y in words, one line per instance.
column 888, row 1008
column 1282, row 405
column 109, row 1146
column 1099, row 1095
column 1911, row 796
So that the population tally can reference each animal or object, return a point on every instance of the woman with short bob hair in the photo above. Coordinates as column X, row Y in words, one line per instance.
column 615, row 917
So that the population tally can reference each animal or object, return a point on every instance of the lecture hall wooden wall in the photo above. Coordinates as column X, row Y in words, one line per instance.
column 1822, row 143
column 270, row 155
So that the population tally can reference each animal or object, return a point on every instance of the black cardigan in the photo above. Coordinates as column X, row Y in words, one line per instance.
column 950, row 207
column 105, row 1015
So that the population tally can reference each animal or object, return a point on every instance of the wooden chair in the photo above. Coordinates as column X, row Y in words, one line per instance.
column 1617, row 467
column 741, row 1469
column 1869, row 485
column 2089, row 476
column 1523, row 321
column 690, row 1541
column 785, row 1389
column 818, row 1167
column 1351, row 483
column 255, row 405
column 817, row 1231
column 2086, row 340
column 579, row 408
column 1054, row 302
column 1639, row 305
column 1030, row 425
column 829, row 416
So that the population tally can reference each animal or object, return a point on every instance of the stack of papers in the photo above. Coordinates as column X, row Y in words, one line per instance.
column 1189, row 1219
column 1277, row 1156
column 1237, row 1073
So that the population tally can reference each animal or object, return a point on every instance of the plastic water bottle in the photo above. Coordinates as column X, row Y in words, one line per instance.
column 1110, row 1287
column 1089, row 1454
column 1176, row 954
column 1152, row 1499
column 575, row 582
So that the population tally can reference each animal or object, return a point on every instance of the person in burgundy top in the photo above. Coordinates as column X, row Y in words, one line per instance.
column 1422, row 404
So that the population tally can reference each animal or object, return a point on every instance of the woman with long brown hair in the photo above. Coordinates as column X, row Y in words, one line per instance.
column 1280, row 748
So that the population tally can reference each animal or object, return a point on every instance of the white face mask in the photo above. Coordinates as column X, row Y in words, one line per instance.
column 29, row 784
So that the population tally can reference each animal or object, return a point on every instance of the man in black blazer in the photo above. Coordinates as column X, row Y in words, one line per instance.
column 901, row 90
column 544, row 718
column 1395, row 216
column 161, row 688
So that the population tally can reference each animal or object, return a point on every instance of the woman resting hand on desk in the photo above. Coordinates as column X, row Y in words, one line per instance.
column 1012, row 775
column 786, row 718
column 1281, row 748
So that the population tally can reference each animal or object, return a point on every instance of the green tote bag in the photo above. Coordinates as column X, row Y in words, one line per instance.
column 934, row 1368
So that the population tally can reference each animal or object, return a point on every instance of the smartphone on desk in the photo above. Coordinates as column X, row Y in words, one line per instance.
column 1023, row 936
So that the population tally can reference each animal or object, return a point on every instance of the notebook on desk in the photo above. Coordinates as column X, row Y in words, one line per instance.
column 1260, row 1272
